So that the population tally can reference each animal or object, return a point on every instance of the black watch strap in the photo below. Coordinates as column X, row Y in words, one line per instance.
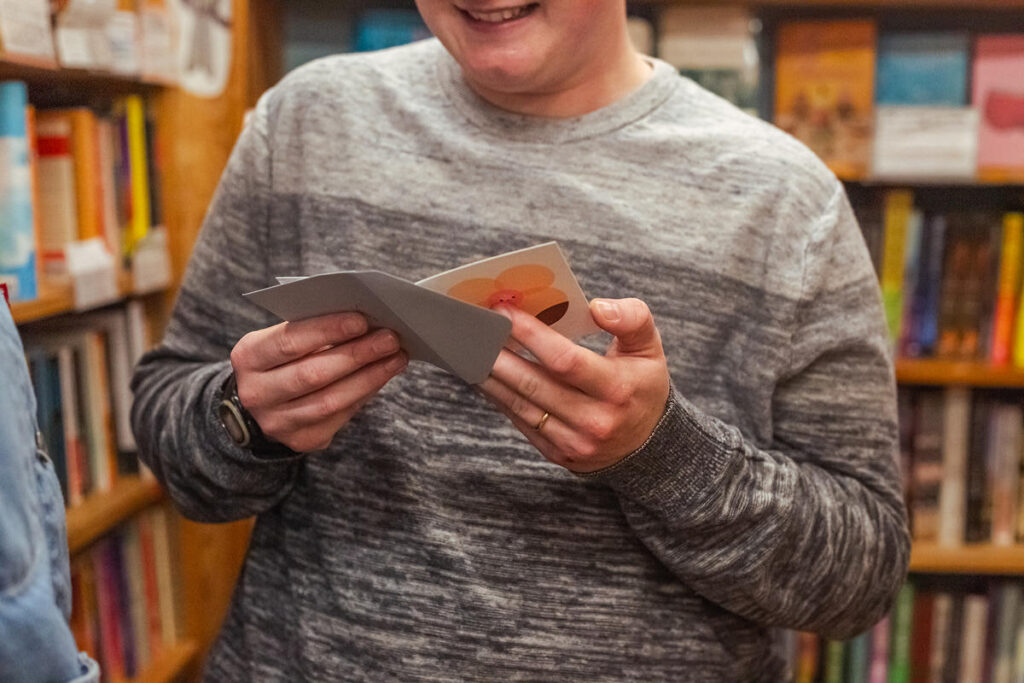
column 243, row 429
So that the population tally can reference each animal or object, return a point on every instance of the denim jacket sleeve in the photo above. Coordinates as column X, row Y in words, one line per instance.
column 35, row 596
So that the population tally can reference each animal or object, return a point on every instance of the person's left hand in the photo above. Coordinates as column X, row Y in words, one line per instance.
column 581, row 410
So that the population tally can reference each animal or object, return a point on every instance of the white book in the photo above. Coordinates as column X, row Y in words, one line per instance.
column 929, row 143
column 1006, row 474
column 955, row 443
column 972, row 645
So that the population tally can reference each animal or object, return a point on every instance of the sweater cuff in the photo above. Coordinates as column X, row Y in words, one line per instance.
column 223, row 442
column 685, row 457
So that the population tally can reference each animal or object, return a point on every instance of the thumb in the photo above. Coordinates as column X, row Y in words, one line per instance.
column 631, row 322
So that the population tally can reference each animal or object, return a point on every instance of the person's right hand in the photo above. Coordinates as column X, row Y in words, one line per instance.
column 303, row 381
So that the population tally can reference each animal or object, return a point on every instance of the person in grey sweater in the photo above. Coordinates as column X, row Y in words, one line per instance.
column 651, row 511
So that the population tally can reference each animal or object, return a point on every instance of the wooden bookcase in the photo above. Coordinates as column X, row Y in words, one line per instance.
column 925, row 559
column 199, row 134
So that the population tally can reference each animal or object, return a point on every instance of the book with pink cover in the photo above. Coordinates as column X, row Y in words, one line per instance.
column 999, row 97
column 446, row 319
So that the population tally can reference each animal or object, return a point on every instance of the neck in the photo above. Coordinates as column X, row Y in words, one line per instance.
column 604, row 82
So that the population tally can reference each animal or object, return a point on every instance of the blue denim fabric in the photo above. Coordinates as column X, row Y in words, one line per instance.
column 35, row 589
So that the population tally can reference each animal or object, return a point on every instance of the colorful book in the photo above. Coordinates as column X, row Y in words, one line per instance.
column 58, row 206
column 858, row 658
column 998, row 93
column 132, row 115
column 17, row 223
column 1007, row 289
column 923, row 68
column 825, row 90
column 879, row 669
column 927, row 296
column 922, row 632
column 379, row 29
column 928, row 466
column 899, row 641
column 1007, row 600
column 899, row 205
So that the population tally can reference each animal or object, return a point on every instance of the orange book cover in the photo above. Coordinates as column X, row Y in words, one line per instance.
column 825, row 90
column 1007, row 288
column 85, row 139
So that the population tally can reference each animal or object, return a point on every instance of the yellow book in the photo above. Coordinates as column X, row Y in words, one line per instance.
column 899, row 204
column 825, row 90
column 1016, row 222
column 1006, row 291
column 135, row 124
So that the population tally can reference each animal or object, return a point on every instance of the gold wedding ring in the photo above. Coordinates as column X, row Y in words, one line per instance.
column 543, row 420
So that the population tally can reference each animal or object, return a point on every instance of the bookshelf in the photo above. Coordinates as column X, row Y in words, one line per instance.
column 968, row 559
column 194, row 137
column 103, row 511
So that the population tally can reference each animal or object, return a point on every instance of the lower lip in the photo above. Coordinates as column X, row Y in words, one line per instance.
column 491, row 27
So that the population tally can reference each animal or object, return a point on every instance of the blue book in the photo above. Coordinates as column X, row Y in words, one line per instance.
column 379, row 29
column 49, row 410
column 930, row 285
column 17, row 227
column 927, row 69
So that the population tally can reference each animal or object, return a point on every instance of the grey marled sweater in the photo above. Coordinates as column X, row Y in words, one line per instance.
column 430, row 541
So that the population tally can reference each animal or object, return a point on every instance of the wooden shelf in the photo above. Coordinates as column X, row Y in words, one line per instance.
column 51, row 85
column 54, row 299
column 170, row 665
column 958, row 373
column 58, row 298
column 968, row 559
column 101, row 512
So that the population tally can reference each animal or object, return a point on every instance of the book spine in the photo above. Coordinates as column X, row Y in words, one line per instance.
column 902, row 618
column 952, row 496
column 972, row 662
column 898, row 207
column 1007, row 289
column 135, row 123
column 17, row 236
column 879, row 669
column 921, row 637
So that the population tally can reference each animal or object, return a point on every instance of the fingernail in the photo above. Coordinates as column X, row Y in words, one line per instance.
column 608, row 310
column 385, row 343
column 353, row 325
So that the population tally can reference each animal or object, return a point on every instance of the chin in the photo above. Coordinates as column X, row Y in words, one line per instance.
column 502, row 72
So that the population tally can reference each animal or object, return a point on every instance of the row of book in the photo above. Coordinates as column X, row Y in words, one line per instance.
column 81, row 371
column 880, row 104
column 930, row 636
column 961, row 456
column 75, row 175
column 128, row 37
column 951, row 281
column 124, row 592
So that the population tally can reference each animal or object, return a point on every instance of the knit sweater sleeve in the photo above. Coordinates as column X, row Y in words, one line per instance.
column 808, row 531
column 177, row 385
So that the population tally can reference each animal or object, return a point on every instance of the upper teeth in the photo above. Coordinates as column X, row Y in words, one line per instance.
column 499, row 15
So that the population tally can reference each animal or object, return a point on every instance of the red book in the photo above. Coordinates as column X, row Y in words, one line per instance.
column 921, row 638
column 150, row 585
column 108, row 598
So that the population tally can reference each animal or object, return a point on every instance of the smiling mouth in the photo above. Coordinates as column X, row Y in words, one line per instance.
column 501, row 16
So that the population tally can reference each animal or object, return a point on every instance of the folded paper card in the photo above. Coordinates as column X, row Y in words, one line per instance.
column 444, row 320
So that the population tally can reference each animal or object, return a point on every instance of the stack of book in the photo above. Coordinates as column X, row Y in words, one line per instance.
column 79, row 174
column 135, row 38
column 930, row 635
column 81, row 370
column 961, row 453
column 951, row 281
column 897, row 105
column 124, row 594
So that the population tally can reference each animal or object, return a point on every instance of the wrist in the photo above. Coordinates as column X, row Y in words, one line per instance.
column 242, row 428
